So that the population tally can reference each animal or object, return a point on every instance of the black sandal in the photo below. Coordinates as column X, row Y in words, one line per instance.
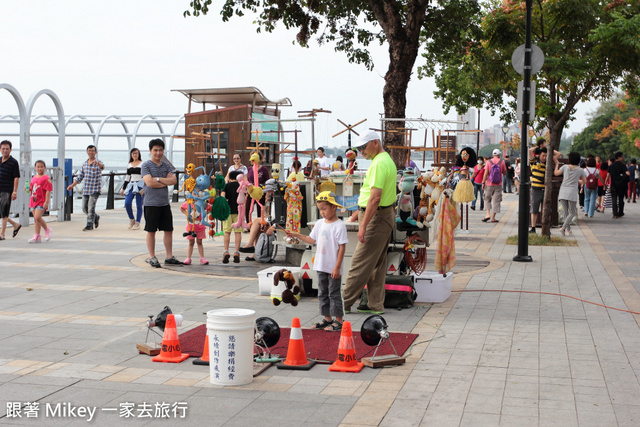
column 15, row 232
column 335, row 326
column 324, row 324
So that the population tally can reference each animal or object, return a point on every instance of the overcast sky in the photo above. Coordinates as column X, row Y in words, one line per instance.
column 124, row 57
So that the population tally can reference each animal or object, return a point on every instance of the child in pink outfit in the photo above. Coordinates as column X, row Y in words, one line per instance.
column 40, row 189
column 194, row 227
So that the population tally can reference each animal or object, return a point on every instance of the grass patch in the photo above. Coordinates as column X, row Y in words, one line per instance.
column 538, row 240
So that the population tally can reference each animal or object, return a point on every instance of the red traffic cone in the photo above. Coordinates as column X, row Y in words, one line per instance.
column 170, row 352
column 296, row 355
column 346, row 361
column 204, row 360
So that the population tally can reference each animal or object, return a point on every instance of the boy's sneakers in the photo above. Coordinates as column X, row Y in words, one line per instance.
column 203, row 261
column 173, row 261
column 187, row 261
column 236, row 257
column 153, row 262
column 532, row 231
column 35, row 239
column 225, row 257
column 47, row 234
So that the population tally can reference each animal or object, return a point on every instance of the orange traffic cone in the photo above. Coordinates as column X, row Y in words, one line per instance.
column 346, row 361
column 204, row 360
column 170, row 352
column 296, row 355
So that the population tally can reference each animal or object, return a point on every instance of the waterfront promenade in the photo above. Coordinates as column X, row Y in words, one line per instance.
column 73, row 309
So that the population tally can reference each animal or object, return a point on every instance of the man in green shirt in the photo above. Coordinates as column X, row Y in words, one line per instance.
column 376, row 217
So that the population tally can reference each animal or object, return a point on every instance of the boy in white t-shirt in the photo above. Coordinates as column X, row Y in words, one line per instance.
column 330, row 235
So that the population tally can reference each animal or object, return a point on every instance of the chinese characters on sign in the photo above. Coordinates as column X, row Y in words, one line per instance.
column 68, row 410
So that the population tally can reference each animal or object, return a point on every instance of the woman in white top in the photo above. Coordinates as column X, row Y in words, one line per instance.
column 132, row 187
column 572, row 175
column 236, row 166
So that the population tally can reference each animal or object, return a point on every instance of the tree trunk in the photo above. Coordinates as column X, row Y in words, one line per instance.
column 402, row 57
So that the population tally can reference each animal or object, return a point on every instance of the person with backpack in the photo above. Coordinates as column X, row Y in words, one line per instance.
column 495, row 169
column 572, row 176
column 260, row 244
column 592, row 177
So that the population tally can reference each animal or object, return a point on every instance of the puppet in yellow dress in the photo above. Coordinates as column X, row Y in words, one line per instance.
column 464, row 189
column 293, row 196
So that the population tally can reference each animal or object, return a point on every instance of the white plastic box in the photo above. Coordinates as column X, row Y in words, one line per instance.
column 433, row 287
column 265, row 278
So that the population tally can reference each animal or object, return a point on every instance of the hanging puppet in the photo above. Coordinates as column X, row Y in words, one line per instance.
column 293, row 197
column 405, row 197
column 465, row 161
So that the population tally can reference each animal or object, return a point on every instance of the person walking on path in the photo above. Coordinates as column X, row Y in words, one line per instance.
column 619, row 179
column 572, row 176
column 330, row 235
column 40, row 188
column 631, row 186
column 592, row 181
column 506, row 178
column 538, row 167
column 477, row 178
column 9, row 180
column 377, row 219
column 516, row 175
column 132, row 187
column 91, row 173
column 492, row 185
column 158, row 176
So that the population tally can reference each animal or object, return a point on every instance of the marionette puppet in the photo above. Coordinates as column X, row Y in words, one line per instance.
column 465, row 161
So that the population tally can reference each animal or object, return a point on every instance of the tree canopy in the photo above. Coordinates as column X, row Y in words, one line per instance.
column 352, row 25
column 591, row 48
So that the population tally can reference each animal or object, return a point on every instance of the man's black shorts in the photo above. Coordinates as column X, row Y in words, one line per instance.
column 5, row 204
column 158, row 218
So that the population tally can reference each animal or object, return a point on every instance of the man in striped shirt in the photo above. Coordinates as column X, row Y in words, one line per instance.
column 91, row 173
column 538, row 166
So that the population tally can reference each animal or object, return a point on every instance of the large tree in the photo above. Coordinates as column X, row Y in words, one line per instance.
column 352, row 25
column 591, row 48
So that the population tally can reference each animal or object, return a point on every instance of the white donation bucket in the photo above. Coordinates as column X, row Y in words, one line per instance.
column 230, row 332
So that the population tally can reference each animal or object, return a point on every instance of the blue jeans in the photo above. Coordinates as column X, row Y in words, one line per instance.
column 506, row 183
column 478, row 188
column 128, row 205
column 590, row 197
column 89, row 208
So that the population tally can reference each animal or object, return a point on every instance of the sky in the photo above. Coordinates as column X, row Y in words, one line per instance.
column 125, row 57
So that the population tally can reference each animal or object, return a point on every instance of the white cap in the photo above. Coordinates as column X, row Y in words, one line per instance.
column 496, row 152
column 366, row 137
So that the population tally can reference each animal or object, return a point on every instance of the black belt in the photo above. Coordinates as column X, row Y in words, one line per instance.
column 379, row 208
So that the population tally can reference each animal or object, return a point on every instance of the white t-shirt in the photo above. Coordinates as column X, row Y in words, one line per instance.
column 325, row 163
column 328, row 237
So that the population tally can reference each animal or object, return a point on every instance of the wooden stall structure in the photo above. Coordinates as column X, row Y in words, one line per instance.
column 235, row 118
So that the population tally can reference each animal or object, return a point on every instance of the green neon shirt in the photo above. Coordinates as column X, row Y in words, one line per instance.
column 381, row 174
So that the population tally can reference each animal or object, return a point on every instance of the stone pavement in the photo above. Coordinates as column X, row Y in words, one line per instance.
column 73, row 309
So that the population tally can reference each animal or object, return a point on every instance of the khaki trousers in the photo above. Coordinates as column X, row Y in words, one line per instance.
column 369, row 261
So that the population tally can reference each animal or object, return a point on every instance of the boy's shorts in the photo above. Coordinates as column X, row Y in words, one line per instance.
column 158, row 218
column 226, row 224
column 201, row 231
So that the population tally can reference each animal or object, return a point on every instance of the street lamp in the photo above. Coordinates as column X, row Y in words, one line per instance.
column 505, row 131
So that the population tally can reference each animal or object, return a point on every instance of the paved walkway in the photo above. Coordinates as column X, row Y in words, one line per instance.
column 73, row 309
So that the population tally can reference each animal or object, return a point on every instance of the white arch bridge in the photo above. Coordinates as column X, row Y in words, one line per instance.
column 95, row 128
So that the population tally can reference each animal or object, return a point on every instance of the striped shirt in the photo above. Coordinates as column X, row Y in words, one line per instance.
column 92, row 174
column 156, row 196
column 537, row 174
